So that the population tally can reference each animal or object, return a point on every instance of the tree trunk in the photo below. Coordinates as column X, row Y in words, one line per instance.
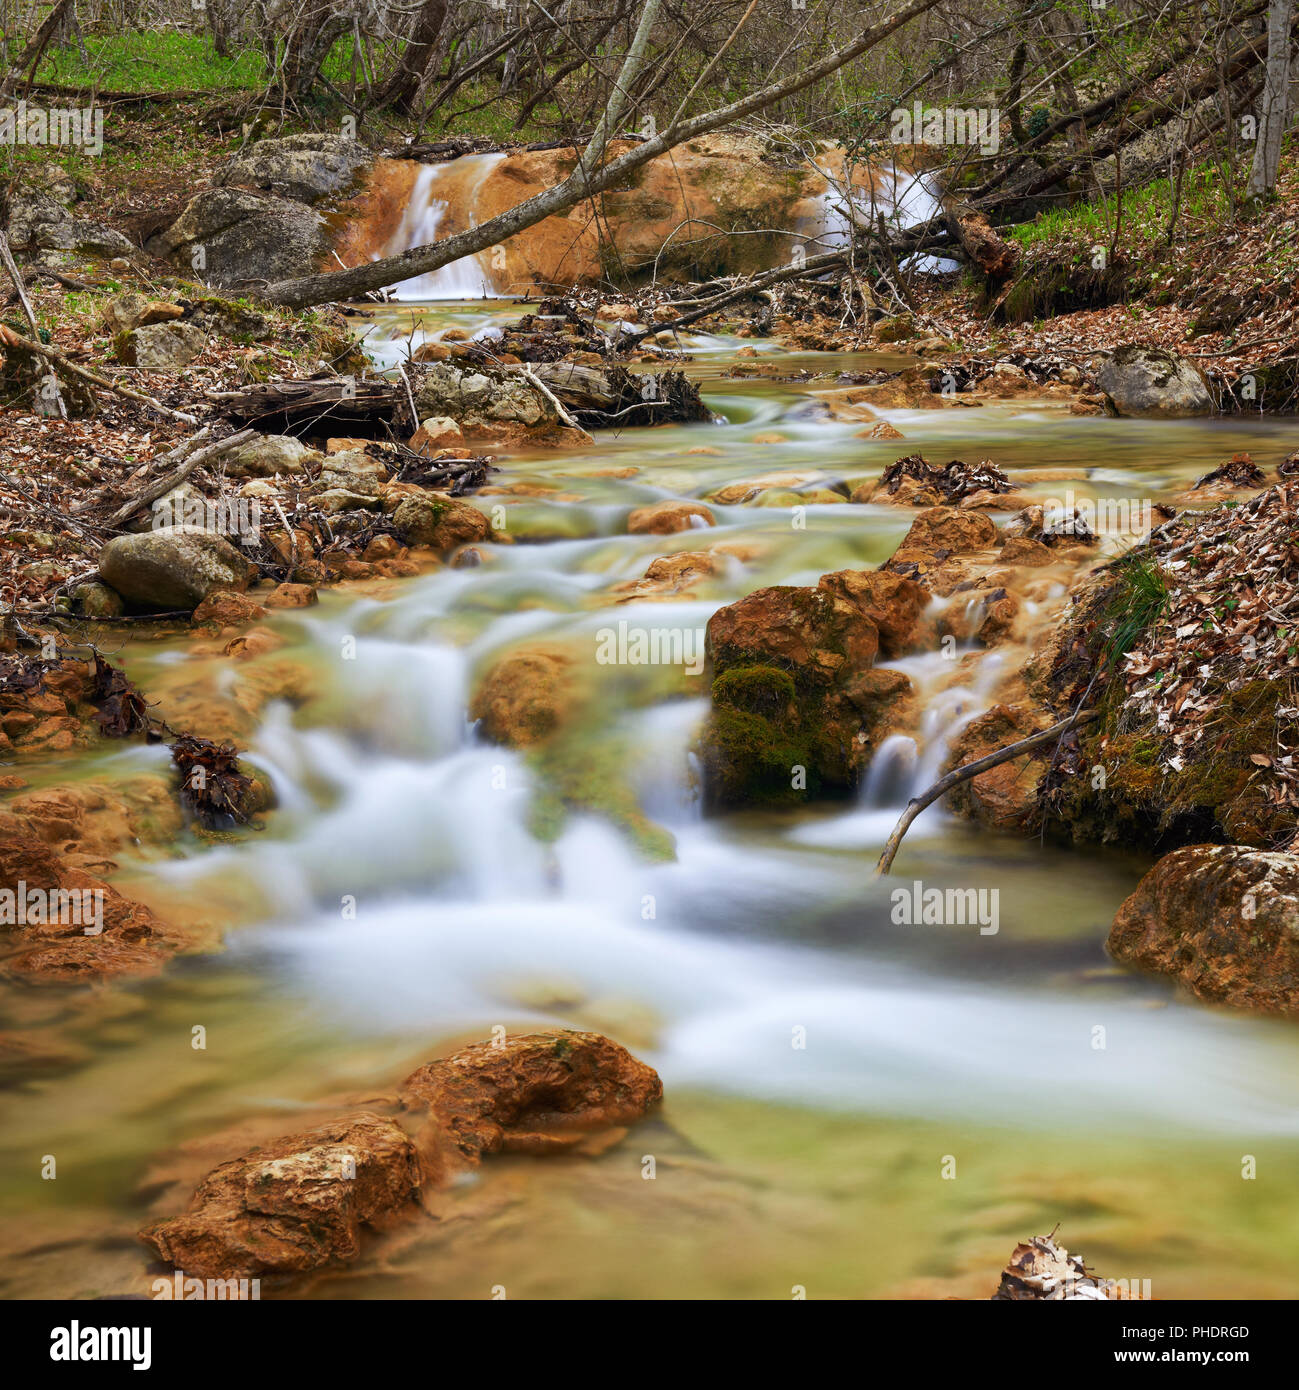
column 1276, row 92
column 401, row 89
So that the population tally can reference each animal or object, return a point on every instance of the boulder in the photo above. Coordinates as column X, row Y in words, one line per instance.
column 130, row 309
column 1003, row 797
column 1150, row 383
column 539, row 1093
column 950, row 529
column 354, row 471
column 161, row 347
column 525, row 696
column 267, row 455
column 668, row 517
column 231, row 236
column 437, row 432
column 483, row 399
column 797, row 707
column 294, row 1204
column 307, row 167
column 439, row 522
column 1221, row 919
column 173, row 569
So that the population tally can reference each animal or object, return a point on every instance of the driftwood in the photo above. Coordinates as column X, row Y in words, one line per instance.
column 300, row 406
column 164, row 485
column 962, row 774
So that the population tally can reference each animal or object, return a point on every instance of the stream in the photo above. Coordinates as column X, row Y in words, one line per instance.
column 854, row 1108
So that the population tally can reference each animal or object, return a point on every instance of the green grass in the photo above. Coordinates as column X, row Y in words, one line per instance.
column 153, row 62
column 1146, row 212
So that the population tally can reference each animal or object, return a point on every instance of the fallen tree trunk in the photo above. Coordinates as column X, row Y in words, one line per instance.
column 295, row 407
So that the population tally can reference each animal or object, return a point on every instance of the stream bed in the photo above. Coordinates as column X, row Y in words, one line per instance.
column 854, row 1108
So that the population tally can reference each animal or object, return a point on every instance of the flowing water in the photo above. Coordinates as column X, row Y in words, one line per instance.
column 854, row 1107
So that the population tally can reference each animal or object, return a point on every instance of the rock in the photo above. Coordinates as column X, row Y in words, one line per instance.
column 232, row 235
column 881, row 429
column 1003, row 797
column 540, row 1093
column 307, row 167
column 439, row 522
column 1221, row 919
column 673, row 576
column 97, row 601
column 268, row 455
column 353, row 470
column 481, row 400
column 950, row 529
column 437, row 432
column 173, row 569
column 131, row 309
column 1020, row 550
column 668, row 517
column 895, row 606
column 291, row 596
column 161, row 347
column 224, row 608
column 129, row 939
column 340, row 499
column 1150, row 383
column 525, row 696
column 294, row 1204
column 797, row 709
column 431, row 352
column 896, row 329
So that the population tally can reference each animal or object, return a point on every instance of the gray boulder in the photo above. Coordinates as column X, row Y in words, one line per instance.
column 306, row 167
column 480, row 397
column 269, row 454
column 1151, row 384
column 173, row 569
column 231, row 235
column 163, row 347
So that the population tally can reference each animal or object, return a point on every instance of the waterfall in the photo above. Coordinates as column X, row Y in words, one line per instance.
column 443, row 201
column 906, row 197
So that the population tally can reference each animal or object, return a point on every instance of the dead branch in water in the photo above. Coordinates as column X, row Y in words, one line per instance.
column 963, row 774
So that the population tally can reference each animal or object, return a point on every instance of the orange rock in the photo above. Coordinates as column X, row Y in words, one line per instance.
column 295, row 1204
column 227, row 608
column 291, row 596
column 539, row 1093
column 1187, row 919
column 668, row 517
column 525, row 696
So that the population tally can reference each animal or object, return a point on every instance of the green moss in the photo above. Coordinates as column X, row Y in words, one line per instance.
column 749, row 760
column 760, row 690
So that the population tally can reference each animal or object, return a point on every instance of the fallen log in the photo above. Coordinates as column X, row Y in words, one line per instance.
column 291, row 407
column 962, row 774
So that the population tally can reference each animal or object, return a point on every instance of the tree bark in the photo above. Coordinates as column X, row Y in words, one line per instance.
column 401, row 89
column 1276, row 92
